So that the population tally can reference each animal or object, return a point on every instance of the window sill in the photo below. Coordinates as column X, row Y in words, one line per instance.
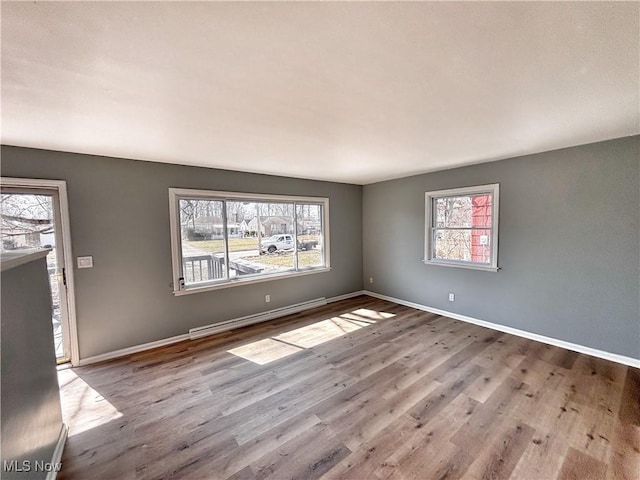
column 469, row 266
column 248, row 281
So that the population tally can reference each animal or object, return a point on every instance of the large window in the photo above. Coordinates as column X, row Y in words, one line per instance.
column 220, row 239
column 462, row 227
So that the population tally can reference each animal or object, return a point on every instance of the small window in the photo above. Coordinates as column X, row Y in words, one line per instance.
column 461, row 227
column 219, row 239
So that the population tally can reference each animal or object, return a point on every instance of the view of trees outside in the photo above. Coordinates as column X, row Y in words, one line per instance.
column 262, row 222
column 27, row 221
column 462, row 229
column 200, row 221
column 262, row 237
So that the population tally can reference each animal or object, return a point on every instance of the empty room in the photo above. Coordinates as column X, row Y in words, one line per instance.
column 339, row 240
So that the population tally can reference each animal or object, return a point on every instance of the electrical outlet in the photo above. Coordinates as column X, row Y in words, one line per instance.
column 85, row 262
column 452, row 297
column 370, row 279
column 267, row 298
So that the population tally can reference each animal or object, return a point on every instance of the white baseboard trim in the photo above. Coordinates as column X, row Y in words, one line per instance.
column 614, row 357
column 56, row 458
column 131, row 350
column 345, row 296
column 256, row 318
column 215, row 328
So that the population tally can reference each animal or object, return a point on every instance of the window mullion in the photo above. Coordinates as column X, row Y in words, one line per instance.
column 259, row 228
column 225, row 236
column 295, row 236
column 178, row 235
column 433, row 243
column 488, row 227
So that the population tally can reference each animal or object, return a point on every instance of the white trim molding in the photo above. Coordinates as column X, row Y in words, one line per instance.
column 614, row 357
column 249, row 281
column 430, row 226
column 179, row 283
column 65, row 227
column 345, row 296
column 56, row 458
column 212, row 329
column 135, row 349
column 299, row 307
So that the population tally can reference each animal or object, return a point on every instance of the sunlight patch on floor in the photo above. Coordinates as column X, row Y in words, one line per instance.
column 287, row 343
column 265, row 351
column 320, row 332
column 83, row 407
column 365, row 313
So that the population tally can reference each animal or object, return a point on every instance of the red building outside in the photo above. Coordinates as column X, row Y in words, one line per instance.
column 480, row 238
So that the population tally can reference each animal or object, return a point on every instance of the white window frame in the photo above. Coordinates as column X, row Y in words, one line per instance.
column 429, row 258
column 175, row 194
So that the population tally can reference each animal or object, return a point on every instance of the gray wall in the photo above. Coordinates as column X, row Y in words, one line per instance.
column 120, row 214
column 569, row 245
column 569, row 249
column 31, row 416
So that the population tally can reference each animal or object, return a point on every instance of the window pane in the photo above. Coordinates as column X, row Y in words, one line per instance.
column 468, row 245
column 481, row 246
column 309, row 235
column 452, row 244
column 277, row 237
column 463, row 211
column 27, row 221
column 481, row 210
column 243, row 237
column 202, row 235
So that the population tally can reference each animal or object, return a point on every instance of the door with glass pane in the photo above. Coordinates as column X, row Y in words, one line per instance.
column 31, row 219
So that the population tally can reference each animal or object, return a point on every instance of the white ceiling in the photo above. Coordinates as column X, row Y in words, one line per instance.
column 349, row 92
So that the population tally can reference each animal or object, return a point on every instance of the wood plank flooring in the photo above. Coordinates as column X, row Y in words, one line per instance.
column 358, row 389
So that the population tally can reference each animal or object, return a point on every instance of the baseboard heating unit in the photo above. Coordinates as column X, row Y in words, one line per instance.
column 255, row 318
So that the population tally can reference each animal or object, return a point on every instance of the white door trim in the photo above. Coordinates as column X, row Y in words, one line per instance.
column 61, row 187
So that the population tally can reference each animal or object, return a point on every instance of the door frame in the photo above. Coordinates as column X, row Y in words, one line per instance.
column 65, row 228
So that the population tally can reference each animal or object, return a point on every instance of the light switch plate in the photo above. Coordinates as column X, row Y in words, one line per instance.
column 85, row 262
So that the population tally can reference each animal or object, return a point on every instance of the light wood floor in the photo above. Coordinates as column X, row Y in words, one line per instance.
column 362, row 389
